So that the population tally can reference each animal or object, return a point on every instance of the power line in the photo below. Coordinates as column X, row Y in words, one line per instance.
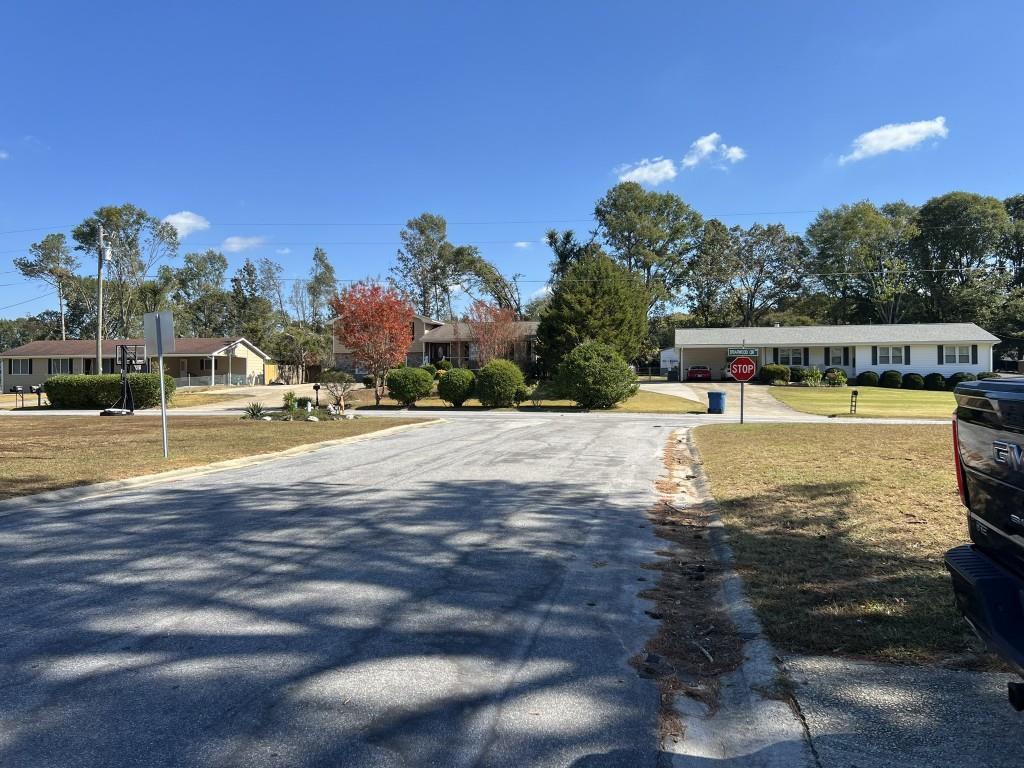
column 27, row 301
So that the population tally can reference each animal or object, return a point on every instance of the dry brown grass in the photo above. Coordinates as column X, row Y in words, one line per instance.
column 48, row 452
column 839, row 532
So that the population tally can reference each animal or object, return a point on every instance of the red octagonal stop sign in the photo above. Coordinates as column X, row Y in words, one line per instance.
column 743, row 368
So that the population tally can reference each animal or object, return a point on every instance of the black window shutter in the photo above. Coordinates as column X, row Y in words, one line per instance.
column 10, row 367
column 775, row 354
column 30, row 366
column 49, row 366
column 807, row 355
column 846, row 356
column 906, row 355
column 828, row 355
column 941, row 355
column 974, row 354
column 874, row 355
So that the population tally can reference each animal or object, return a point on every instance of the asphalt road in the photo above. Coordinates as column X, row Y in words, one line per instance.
column 460, row 595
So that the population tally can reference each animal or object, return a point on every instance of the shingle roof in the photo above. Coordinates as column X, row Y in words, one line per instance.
column 808, row 335
column 460, row 331
column 87, row 347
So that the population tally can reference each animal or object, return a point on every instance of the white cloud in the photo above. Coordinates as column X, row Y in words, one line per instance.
column 236, row 244
column 652, row 172
column 283, row 251
column 895, row 137
column 522, row 244
column 712, row 146
column 3, row 154
column 544, row 290
column 186, row 223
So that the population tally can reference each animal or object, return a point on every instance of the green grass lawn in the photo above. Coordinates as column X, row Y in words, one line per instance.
column 641, row 402
column 872, row 402
column 839, row 531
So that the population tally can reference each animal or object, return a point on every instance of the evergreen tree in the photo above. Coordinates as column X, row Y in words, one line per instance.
column 595, row 300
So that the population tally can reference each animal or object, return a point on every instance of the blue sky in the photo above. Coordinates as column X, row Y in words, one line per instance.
column 291, row 125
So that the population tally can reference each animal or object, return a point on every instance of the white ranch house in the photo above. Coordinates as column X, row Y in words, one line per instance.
column 908, row 348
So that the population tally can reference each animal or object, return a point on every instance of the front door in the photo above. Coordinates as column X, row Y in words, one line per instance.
column 184, row 369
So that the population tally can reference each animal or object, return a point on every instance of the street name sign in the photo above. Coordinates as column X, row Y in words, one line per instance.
column 742, row 352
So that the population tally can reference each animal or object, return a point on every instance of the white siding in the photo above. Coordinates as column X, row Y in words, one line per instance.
column 924, row 360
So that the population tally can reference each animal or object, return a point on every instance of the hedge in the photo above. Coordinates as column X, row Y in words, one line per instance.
column 79, row 390
column 890, row 379
column 774, row 372
column 867, row 379
column 958, row 377
column 497, row 382
column 936, row 382
column 913, row 381
column 456, row 386
column 407, row 385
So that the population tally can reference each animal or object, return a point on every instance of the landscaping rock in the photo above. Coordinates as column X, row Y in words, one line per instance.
column 312, row 418
column 266, row 418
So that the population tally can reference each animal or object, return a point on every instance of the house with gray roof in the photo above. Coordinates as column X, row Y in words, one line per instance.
column 195, row 361
column 905, row 347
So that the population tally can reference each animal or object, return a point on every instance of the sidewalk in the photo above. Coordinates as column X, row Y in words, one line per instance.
column 881, row 715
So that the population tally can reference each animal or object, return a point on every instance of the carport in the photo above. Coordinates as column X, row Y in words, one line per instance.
column 714, row 358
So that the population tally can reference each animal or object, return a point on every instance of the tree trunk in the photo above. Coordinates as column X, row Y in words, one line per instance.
column 63, row 313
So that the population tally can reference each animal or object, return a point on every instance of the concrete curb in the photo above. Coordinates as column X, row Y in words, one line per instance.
column 753, row 722
column 80, row 492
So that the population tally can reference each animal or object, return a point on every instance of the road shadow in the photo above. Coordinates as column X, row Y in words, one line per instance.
column 323, row 624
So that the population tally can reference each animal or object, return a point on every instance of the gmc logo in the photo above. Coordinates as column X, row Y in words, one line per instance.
column 1010, row 454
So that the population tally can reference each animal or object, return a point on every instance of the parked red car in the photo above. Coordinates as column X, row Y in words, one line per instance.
column 698, row 373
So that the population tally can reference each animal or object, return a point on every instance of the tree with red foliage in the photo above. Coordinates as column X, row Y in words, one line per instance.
column 493, row 329
column 376, row 324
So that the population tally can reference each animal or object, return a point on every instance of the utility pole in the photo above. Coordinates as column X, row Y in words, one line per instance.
column 103, row 255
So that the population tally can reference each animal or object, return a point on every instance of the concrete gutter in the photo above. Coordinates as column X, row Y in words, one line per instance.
column 756, row 723
column 79, row 492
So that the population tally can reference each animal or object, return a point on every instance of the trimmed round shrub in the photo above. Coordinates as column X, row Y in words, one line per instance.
column 913, row 381
column 988, row 375
column 890, row 379
column 773, row 372
column 867, row 379
column 444, row 365
column 431, row 369
column 407, row 385
column 369, row 381
column 958, row 377
column 797, row 375
column 835, row 377
column 936, row 382
column 80, row 390
column 456, row 386
column 594, row 375
column 496, row 383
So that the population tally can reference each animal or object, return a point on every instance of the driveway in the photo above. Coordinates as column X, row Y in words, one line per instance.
column 758, row 403
column 452, row 596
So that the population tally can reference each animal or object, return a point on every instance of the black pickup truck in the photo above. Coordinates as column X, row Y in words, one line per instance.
column 988, row 575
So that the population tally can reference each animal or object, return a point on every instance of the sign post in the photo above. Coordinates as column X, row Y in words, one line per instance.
column 159, row 331
column 743, row 367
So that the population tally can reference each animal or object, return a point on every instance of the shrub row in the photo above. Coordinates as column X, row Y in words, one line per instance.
column 935, row 382
column 78, row 390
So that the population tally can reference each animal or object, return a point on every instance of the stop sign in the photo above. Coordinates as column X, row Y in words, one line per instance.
column 743, row 368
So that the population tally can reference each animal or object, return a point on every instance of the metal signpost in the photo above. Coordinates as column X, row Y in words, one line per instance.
column 743, row 367
column 158, row 328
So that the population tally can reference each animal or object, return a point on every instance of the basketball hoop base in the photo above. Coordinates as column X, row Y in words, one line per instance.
column 116, row 412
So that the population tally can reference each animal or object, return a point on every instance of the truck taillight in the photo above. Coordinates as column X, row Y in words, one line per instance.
column 961, row 488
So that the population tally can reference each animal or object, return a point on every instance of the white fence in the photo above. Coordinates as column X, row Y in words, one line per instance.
column 220, row 380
